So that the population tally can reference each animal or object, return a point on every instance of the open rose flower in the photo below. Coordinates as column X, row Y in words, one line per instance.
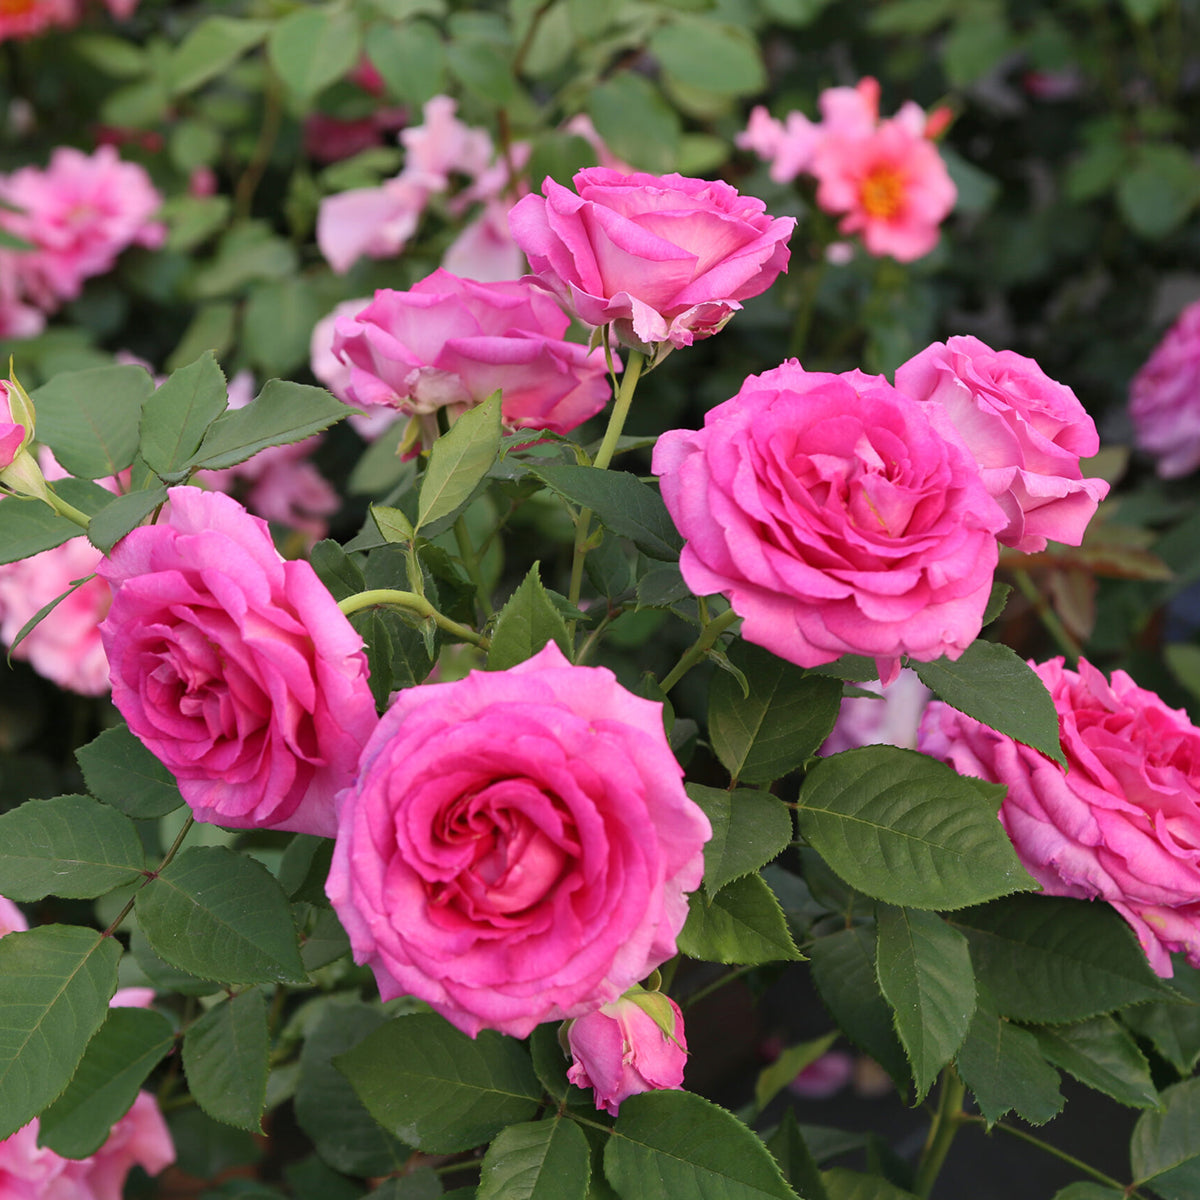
column 517, row 845
column 663, row 258
column 449, row 343
column 235, row 668
column 1164, row 398
column 1027, row 433
column 635, row 1044
column 1121, row 823
column 836, row 518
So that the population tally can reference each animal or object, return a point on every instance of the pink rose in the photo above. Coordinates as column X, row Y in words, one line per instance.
column 664, row 258
column 1121, row 822
column 1027, row 433
column 635, row 1044
column 376, row 222
column 13, row 433
column 12, row 919
column 235, row 668
column 836, row 518
column 517, row 845
column 1164, row 398
column 449, row 343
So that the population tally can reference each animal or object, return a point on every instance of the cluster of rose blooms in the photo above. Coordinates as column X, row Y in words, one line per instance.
column 516, row 847
column 884, row 178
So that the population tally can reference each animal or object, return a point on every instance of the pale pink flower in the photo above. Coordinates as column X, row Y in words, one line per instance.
column 836, row 517
column 1026, row 431
column 485, row 250
column 237, row 669
column 1121, row 822
column 24, row 18
column 632, row 1045
column 516, row 846
column 335, row 374
column 375, row 222
column 121, row 10
column 788, row 147
column 79, row 214
column 1164, row 398
column 442, row 146
column 892, row 720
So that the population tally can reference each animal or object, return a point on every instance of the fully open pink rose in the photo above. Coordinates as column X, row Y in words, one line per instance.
column 1121, row 823
column 635, row 1044
column 517, row 846
column 663, row 258
column 1164, row 398
column 836, row 518
column 1027, row 433
column 235, row 668
column 449, row 343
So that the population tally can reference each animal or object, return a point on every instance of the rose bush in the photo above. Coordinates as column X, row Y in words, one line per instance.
column 517, row 846
column 632, row 1045
column 1121, row 822
column 1027, row 432
column 661, row 258
column 235, row 668
column 449, row 343
column 835, row 517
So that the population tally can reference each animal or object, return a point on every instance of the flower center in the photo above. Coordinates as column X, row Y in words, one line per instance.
column 882, row 192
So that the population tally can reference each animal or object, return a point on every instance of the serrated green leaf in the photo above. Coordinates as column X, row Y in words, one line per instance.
column 622, row 503
column 177, row 416
column 924, row 970
column 28, row 527
column 482, row 67
column 218, row 915
column 312, row 47
column 906, row 829
column 786, row 717
column 843, row 1184
column 123, row 514
column 795, row 1159
column 525, row 624
column 1090, row 1191
column 336, row 569
column 715, row 56
column 282, row 413
column 1172, row 1029
column 636, row 123
column 541, row 1160
column 55, row 985
column 214, row 44
column 411, row 59
column 71, row 846
column 1101, row 1054
column 749, row 829
column 345, row 1135
column 225, row 1058
column 129, row 1045
column 90, row 418
column 742, row 923
column 773, row 1079
column 668, row 1145
column 990, row 683
column 1002, row 1065
column 437, row 1089
column 119, row 770
column 458, row 463
column 1049, row 958
column 1165, row 1147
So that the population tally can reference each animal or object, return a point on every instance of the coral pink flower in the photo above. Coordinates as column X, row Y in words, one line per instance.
column 516, row 846
column 787, row 146
column 450, row 342
column 376, row 222
column 890, row 184
column 663, row 258
column 1121, row 822
column 79, row 214
column 1026, row 431
column 237, row 669
column 1164, row 398
column 836, row 517
column 632, row 1045
column 24, row 18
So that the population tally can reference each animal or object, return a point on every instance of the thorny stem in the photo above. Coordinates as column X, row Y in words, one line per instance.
column 716, row 985
column 699, row 648
column 415, row 604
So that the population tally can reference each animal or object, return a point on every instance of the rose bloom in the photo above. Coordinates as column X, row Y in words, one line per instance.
column 24, row 18
column 79, row 213
column 622, row 1049
column 235, row 668
column 1121, row 823
column 1164, row 398
column 13, row 435
column 449, row 343
column 516, row 846
column 836, row 517
column 663, row 258
column 1027, row 433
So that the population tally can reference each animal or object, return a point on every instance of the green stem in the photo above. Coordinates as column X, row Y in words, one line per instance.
column 946, row 1121
column 414, row 603
column 162, row 866
column 1077, row 1163
column 699, row 648
column 470, row 560
column 1048, row 617
column 716, row 985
